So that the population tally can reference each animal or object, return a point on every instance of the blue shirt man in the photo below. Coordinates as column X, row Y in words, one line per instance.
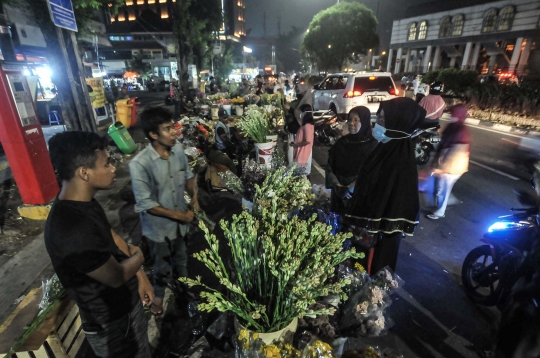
column 160, row 175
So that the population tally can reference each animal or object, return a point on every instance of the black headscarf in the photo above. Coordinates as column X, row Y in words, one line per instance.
column 349, row 152
column 385, row 197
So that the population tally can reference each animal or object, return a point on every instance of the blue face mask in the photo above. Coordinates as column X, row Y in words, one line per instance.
column 379, row 134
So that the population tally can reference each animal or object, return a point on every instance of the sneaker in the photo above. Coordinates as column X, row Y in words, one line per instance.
column 434, row 217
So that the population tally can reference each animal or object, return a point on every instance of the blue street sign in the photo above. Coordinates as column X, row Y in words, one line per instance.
column 62, row 14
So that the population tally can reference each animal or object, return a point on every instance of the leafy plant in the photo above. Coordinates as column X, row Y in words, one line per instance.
column 255, row 123
column 280, row 263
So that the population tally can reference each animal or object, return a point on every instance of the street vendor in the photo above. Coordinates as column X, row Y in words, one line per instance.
column 160, row 174
column 223, row 134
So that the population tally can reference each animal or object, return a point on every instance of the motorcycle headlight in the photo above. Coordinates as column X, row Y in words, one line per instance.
column 505, row 225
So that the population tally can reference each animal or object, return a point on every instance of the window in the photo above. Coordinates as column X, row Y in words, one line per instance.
column 506, row 18
column 490, row 19
column 445, row 27
column 371, row 84
column 341, row 82
column 412, row 31
column 457, row 25
column 422, row 30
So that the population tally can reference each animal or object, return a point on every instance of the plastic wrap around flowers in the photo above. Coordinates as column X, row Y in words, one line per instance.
column 365, row 309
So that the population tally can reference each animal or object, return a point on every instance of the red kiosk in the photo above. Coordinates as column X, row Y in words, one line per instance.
column 22, row 137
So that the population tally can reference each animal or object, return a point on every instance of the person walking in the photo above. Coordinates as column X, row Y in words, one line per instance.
column 452, row 158
column 160, row 174
column 347, row 156
column 303, row 143
column 98, row 269
column 385, row 200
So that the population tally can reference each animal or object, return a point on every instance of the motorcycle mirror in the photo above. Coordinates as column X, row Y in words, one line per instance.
column 526, row 198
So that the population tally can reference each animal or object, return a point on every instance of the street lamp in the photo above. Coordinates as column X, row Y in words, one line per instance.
column 244, row 51
column 329, row 46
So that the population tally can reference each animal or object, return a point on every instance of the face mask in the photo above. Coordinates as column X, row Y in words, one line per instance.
column 379, row 134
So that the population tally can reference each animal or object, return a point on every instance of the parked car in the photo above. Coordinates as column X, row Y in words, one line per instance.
column 341, row 92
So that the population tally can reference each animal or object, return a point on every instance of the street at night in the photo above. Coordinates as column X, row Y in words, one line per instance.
column 270, row 179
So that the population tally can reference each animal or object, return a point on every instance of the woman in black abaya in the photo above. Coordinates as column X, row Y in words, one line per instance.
column 385, row 200
column 346, row 156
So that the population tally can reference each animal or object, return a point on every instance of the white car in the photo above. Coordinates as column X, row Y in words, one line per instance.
column 341, row 92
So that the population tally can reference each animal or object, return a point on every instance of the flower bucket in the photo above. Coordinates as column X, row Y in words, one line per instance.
column 205, row 109
column 214, row 112
column 283, row 335
column 239, row 110
column 264, row 152
column 273, row 138
column 227, row 108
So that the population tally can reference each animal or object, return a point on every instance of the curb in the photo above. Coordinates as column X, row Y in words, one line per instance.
column 496, row 126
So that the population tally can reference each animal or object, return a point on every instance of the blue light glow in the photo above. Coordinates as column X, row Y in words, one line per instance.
column 504, row 225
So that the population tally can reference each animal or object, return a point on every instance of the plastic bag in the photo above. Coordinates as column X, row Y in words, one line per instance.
column 318, row 349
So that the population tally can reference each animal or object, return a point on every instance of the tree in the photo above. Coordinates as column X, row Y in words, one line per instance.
column 194, row 24
column 343, row 32
column 138, row 65
column 68, row 98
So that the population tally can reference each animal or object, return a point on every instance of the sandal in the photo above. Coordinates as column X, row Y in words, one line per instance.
column 434, row 217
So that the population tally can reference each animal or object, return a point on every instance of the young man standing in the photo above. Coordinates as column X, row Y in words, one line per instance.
column 98, row 269
column 160, row 174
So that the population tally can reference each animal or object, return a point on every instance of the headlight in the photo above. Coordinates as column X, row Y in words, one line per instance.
column 505, row 225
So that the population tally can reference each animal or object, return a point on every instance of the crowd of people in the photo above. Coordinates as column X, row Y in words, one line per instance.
column 372, row 174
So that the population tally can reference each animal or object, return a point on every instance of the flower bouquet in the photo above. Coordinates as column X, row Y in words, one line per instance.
column 280, row 264
column 266, row 99
column 238, row 101
column 255, row 124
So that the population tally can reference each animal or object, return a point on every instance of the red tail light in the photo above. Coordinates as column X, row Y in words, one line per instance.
column 394, row 92
column 352, row 94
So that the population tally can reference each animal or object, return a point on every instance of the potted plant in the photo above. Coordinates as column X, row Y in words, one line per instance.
column 280, row 264
column 239, row 105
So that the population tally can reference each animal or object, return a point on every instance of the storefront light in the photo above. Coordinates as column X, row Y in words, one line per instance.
column 26, row 72
column 44, row 72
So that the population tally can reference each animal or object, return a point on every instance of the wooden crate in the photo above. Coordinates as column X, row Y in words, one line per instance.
column 59, row 336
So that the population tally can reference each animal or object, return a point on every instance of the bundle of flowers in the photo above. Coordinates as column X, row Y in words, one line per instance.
column 252, row 99
column 266, row 99
column 280, row 264
column 254, row 124
column 224, row 101
column 238, row 100
column 250, row 345
column 365, row 310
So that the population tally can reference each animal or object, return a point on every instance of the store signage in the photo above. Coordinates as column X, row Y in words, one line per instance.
column 97, row 96
column 62, row 14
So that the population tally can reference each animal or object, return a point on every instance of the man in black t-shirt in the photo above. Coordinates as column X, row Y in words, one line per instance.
column 98, row 269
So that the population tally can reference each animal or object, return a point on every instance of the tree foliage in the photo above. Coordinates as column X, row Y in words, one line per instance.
column 343, row 32
column 194, row 23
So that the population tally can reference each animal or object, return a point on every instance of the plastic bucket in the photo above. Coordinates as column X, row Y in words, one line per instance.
column 227, row 108
column 239, row 110
column 264, row 152
column 215, row 112
column 283, row 335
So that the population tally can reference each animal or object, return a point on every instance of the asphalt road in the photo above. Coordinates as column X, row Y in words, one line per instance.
column 433, row 316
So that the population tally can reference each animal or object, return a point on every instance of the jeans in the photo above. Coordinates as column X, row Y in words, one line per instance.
column 170, row 262
column 443, row 188
column 126, row 337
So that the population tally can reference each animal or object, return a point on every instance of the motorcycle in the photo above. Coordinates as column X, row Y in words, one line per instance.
column 490, row 271
column 426, row 142
column 327, row 127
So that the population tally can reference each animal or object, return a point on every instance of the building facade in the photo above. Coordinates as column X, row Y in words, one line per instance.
column 144, row 28
column 491, row 37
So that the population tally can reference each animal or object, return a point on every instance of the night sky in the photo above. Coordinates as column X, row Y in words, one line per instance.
column 300, row 13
